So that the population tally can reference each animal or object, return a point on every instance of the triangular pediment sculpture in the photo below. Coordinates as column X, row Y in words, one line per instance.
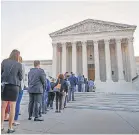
column 92, row 26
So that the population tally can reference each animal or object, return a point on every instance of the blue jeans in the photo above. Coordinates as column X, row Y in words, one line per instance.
column 80, row 87
column 44, row 101
column 17, row 109
column 71, row 93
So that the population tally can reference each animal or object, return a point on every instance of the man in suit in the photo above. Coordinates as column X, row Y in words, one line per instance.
column 36, row 84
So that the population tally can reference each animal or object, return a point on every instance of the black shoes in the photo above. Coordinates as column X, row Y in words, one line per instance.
column 57, row 111
column 10, row 131
column 44, row 112
column 30, row 118
column 38, row 119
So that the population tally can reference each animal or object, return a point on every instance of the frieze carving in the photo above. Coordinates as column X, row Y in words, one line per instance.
column 92, row 26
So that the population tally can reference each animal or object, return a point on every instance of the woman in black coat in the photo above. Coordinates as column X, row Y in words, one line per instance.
column 11, row 76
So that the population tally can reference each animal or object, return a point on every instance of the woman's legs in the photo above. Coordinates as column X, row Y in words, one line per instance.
column 18, row 105
column 57, row 99
column 52, row 99
column 3, row 108
column 12, row 114
column 60, row 100
column 7, row 111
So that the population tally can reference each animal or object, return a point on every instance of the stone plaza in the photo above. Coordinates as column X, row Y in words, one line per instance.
column 91, row 113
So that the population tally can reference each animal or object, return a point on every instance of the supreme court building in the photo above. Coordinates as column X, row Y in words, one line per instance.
column 100, row 50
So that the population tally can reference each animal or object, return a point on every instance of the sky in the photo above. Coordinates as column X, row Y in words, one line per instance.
column 25, row 25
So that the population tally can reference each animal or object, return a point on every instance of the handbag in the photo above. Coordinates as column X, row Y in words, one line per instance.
column 4, row 83
column 58, row 86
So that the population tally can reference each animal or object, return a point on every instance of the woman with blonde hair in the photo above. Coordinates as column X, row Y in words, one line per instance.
column 11, row 76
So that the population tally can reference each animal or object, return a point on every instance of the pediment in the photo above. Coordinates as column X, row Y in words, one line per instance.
column 91, row 26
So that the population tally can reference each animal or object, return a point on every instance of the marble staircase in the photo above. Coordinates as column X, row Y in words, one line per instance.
column 106, row 101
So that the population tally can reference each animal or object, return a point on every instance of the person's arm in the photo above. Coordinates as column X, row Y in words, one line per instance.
column 2, row 67
column 20, row 72
column 43, row 78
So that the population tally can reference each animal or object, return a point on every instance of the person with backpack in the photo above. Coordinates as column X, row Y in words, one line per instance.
column 72, row 80
column 51, row 94
column 60, row 87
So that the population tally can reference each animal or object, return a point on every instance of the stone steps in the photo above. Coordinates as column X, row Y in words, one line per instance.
column 106, row 101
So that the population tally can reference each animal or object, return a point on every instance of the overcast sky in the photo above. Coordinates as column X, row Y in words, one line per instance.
column 26, row 25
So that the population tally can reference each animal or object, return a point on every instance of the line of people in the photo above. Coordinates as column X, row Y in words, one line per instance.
column 41, row 91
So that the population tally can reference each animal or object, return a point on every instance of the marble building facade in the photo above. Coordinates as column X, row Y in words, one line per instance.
column 100, row 50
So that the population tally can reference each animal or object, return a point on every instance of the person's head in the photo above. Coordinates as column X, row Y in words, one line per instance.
column 61, row 76
column 15, row 54
column 71, row 73
column 37, row 64
column 20, row 59
column 68, row 76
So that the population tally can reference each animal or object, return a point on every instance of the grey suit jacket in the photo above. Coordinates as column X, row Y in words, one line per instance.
column 36, row 80
column 15, row 75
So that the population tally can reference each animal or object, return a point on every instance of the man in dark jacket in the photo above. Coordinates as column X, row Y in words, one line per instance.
column 36, row 84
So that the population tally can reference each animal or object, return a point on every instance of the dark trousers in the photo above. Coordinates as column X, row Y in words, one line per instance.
column 79, row 87
column 51, row 96
column 59, row 96
column 35, row 103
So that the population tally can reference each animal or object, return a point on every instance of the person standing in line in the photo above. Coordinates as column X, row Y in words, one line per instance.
column 60, row 87
column 91, row 85
column 80, row 83
column 67, row 91
column 72, row 80
column 85, row 82
column 11, row 76
column 36, row 86
column 51, row 95
column 20, row 95
column 43, row 108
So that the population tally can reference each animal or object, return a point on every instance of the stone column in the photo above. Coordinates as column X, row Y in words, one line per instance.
column 131, row 57
column 84, row 57
column 119, row 60
column 108, row 61
column 74, row 58
column 64, row 58
column 96, row 59
column 54, row 65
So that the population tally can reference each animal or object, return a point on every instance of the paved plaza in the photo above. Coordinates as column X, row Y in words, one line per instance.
column 80, row 120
